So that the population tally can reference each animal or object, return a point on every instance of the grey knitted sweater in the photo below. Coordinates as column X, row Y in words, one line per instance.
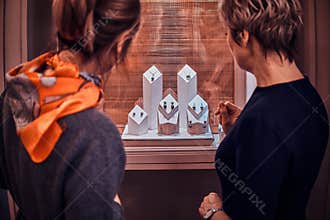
column 78, row 180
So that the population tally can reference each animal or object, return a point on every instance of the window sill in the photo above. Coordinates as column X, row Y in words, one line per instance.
column 170, row 158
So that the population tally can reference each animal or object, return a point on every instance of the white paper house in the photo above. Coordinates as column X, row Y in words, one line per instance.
column 197, row 116
column 168, row 114
column 152, row 94
column 187, row 90
column 137, row 121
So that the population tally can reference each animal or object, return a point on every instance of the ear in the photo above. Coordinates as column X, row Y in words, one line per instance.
column 245, row 37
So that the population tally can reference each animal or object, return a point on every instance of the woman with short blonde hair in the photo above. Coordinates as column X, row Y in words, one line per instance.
column 274, row 147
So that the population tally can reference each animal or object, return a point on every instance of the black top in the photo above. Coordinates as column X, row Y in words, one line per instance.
column 78, row 180
column 4, row 206
column 270, row 159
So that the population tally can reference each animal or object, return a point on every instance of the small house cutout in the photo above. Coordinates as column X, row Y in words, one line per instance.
column 197, row 116
column 168, row 114
column 137, row 121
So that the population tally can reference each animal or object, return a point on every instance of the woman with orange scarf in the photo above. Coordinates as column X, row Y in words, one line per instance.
column 60, row 157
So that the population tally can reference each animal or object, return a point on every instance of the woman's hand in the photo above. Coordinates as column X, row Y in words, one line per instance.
column 227, row 114
column 117, row 199
column 210, row 201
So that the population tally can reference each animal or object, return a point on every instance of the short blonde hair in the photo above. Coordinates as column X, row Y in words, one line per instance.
column 274, row 23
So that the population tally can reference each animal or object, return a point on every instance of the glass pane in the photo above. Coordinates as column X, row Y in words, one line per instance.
column 174, row 33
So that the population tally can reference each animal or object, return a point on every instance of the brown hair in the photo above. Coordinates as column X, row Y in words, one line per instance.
column 103, row 28
column 274, row 23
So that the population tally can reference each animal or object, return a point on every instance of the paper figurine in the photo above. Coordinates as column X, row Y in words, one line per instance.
column 197, row 116
column 137, row 121
column 187, row 90
column 168, row 114
column 152, row 94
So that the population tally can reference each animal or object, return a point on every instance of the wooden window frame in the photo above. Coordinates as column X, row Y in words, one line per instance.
column 13, row 42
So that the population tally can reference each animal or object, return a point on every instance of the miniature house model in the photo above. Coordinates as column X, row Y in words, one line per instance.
column 168, row 114
column 137, row 121
column 187, row 90
column 152, row 94
column 169, row 117
column 197, row 116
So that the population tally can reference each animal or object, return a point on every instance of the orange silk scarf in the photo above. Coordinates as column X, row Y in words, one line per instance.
column 62, row 91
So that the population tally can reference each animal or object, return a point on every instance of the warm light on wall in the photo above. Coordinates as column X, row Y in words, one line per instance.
column 172, row 34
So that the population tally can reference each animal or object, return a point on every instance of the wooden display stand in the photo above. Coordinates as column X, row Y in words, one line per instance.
column 152, row 94
column 187, row 90
column 152, row 138
column 169, row 110
column 168, row 114
column 197, row 116
column 137, row 121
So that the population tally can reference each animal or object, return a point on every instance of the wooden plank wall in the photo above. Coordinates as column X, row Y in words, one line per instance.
column 3, row 194
column 167, row 194
column 323, row 78
column 2, row 69
column 174, row 33
column 316, row 62
column 313, row 59
column 14, row 46
column 44, row 39
column 15, row 35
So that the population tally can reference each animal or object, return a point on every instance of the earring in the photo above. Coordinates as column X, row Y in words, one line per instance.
column 165, row 105
column 194, row 106
column 58, row 43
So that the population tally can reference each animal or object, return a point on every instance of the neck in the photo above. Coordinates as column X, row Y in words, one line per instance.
column 85, row 65
column 272, row 70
